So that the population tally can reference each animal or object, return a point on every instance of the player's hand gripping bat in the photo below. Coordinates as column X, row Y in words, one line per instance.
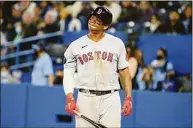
column 97, row 125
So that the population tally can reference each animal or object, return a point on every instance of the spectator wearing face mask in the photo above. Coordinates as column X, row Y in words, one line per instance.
column 6, row 76
column 163, row 68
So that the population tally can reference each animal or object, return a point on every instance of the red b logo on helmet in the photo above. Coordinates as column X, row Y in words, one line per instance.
column 99, row 11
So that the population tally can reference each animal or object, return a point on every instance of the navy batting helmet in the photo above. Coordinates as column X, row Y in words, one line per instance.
column 103, row 13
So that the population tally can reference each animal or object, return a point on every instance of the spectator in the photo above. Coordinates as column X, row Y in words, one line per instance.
column 129, row 17
column 18, row 30
column 29, row 7
column 140, row 65
column 154, row 25
column 168, row 85
column 186, row 83
column 63, row 16
column 82, row 15
column 174, row 25
column 6, row 8
column 129, row 12
column 38, row 21
column 86, row 9
column 132, row 61
column 44, row 7
column 37, row 16
column 6, row 76
column 42, row 73
column 146, row 79
column 16, row 14
column 13, row 21
column 146, row 11
column 58, row 77
column 188, row 19
column 51, row 21
column 4, row 41
column 51, row 24
column 163, row 68
column 29, row 29
column 74, row 10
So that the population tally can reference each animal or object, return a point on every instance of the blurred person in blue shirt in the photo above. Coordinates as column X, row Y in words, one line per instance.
column 163, row 69
column 42, row 73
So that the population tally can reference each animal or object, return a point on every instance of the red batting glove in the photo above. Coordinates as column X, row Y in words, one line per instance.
column 70, row 105
column 127, row 106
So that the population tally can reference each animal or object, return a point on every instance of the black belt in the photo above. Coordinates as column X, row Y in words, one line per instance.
column 98, row 93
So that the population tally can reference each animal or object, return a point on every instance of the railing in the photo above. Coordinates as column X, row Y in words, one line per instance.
column 19, row 53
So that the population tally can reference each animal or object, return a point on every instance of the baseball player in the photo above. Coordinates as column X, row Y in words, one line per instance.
column 97, row 59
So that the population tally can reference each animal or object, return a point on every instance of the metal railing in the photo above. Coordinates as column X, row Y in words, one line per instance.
column 19, row 53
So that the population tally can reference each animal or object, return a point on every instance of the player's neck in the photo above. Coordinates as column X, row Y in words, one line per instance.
column 96, row 37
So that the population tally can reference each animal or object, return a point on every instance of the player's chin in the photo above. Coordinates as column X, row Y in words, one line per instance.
column 91, row 26
column 93, row 29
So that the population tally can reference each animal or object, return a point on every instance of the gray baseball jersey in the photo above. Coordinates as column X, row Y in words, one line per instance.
column 96, row 63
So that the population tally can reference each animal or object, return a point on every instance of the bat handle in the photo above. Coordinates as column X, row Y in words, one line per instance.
column 77, row 113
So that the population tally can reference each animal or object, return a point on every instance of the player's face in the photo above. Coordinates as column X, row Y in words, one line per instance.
column 95, row 24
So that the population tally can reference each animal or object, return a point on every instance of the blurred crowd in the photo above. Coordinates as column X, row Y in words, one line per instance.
column 26, row 18
column 23, row 19
column 159, row 75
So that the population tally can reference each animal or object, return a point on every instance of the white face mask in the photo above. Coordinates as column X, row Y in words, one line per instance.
column 18, row 29
column 4, row 73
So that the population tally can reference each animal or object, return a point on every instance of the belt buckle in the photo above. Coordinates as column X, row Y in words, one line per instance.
column 85, row 91
column 99, row 93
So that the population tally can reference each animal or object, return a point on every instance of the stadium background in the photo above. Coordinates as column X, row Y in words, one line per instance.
column 59, row 23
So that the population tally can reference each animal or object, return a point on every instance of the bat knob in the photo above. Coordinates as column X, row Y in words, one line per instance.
column 77, row 113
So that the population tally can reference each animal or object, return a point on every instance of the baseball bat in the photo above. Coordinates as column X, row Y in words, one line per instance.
column 97, row 125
